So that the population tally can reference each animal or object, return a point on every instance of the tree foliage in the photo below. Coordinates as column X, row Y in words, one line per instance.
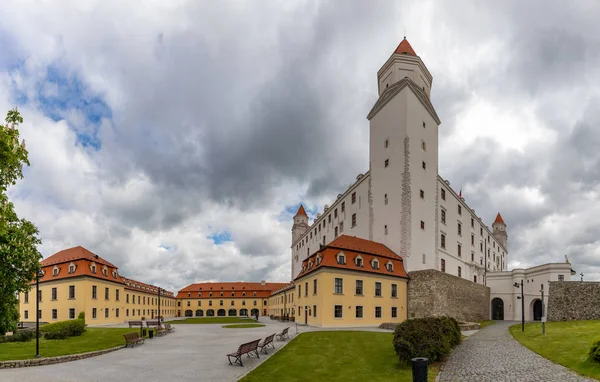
column 19, row 257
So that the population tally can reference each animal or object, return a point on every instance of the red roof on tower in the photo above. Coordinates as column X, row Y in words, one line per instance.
column 499, row 219
column 405, row 48
column 301, row 211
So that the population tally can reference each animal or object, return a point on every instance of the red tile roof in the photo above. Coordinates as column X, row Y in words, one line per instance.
column 499, row 219
column 217, row 287
column 301, row 211
column 145, row 288
column 352, row 247
column 75, row 253
column 405, row 48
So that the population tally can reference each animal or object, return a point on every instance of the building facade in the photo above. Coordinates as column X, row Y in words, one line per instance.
column 505, row 290
column 76, row 280
column 225, row 299
column 350, row 282
column 402, row 201
column 281, row 301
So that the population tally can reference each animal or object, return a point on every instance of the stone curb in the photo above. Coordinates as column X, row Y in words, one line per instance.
column 284, row 344
column 53, row 360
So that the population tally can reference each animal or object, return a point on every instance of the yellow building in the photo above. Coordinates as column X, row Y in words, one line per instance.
column 351, row 282
column 281, row 301
column 76, row 280
column 225, row 299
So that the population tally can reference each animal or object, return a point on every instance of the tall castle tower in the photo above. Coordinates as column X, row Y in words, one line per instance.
column 499, row 228
column 300, row 224
column 404, row 160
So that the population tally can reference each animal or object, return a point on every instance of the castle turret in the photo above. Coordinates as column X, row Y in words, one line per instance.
column 300, row 224
column 499, row 228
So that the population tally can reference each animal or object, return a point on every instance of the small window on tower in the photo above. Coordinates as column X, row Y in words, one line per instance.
column 385, row 230
column 423, row 124
column 423, row 146
column 387, row 143
column 422, row 193
column 422, row 224
column 385, row 199
column 387, row 162
column 424, row 165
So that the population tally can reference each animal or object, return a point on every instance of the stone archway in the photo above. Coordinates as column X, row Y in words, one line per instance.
column 199, row 313
column 210, row 313
column 537, row 309
column 189, row 313
column 232, row 312
column 221, row 313
column 254, row 312
column 243, row 312
column 497, row 309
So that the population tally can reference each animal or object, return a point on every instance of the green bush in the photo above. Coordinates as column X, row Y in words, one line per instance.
column 63, row 329
column 431, row 337
column 19, row 336
column 595, row 351
column 81, row 316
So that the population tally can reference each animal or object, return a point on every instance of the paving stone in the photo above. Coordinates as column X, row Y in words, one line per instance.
column 492, row 354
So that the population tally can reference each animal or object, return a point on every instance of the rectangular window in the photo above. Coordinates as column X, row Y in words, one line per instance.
column 94, row 313
column 359, row 311
column 378, row 289
column 422, row 194
column 472, row 240
column 424, row 165
column 71, row 313
column 339, row 286
column 423, row 146
column 475, row 278
column 459, row 229
column 335, row 232
column 459, row 272
column 377, row 312
column 221, row 302
column 422, row 224
column 26, row 297
column 314, row 311
column 353, row 197
column 26, row 314
column 54, row 293
column 385, row 231
column 353, row 220
column 472, row 256
column 106, row 312
column 443, row 241
column 443, row 216
column 387, row 162
column 423, row 258
column 127, row 298
column 394, row 290
column 127, row 312
column 117, row 295
column 472, row 223
column 459, row 250
column 443, row 265
column 305, row 289
column 315, row 286
column 40, row 296
column 343, row 206
column 386, row 144
column 71, row 291
column 335, row 213
column 443, row 194
column 337, row 311
column 394, row 312
column 561, row 277
column 341, row 227
column 299, row 291
column 359, row 287
column 40, row 314
column 459, row 210
column 385, row 199
column 117, row 312
column 106, row 293
column 54, row 314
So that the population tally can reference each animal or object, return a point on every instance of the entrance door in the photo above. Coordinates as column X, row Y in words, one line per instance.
column 306, row 315
column 537, row 310
column 497, row 309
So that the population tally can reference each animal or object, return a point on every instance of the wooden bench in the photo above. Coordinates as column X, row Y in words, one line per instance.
column 283, row 335
column 169, row 328
column 247, row 349
column 156, row 326
column 133, row 339
column 267, row 341
column 136, row 323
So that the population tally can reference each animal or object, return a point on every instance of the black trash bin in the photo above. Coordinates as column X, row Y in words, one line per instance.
column 419, row 369
column 144, row 332
column 150, row 333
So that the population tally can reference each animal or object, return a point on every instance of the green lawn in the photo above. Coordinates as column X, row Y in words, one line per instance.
column 566, row 343
column 483, row 324
column 243, row 326
column 92, row 339
column 212, row 320
column 336, row 356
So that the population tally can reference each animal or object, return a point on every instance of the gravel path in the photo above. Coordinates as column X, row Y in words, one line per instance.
column 492, row 354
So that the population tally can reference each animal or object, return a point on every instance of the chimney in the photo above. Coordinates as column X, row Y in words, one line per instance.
column 262, row 282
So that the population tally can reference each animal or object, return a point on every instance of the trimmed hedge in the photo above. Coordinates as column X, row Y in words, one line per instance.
column 431, row 337
column 23, row 335
column 595, row 351
column 63, row 329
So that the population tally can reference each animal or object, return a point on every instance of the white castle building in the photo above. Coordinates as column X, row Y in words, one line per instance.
column 402, row 201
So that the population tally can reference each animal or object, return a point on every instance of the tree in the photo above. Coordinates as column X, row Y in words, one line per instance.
column 19, row 257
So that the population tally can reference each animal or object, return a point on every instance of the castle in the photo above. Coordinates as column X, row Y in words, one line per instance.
column 402, row 201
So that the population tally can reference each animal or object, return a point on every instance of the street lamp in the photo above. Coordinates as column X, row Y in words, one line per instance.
column 543, row 314
column 522, row 297
column 159, row 306
column 38, row 274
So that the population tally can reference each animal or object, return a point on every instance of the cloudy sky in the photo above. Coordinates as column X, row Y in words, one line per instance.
column 177, row 139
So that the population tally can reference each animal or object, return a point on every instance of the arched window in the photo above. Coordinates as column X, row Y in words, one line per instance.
column 375, row 264
column 199, row 313
column 390, row 266
column 359, row 261
column 232, row 312
column 188, row 313
column 221, row 313
column 72, row 268
column 210, row 313
column 55, row 271
column 93, row 267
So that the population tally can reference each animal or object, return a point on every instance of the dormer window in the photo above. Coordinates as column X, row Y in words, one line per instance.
column 55, row 271
column 233, row 294
column 254, row 294
column 189, row 294
column 210, row 294
column 341, row 258
column 359, row 261
column 93, row 268
column 72, row 268
column 199, row 294
column 221, row 294
column 114, row 274
column 243, row 293
column 390, row 267
column 105, row 271
column 318, row 260
column 375, row 264
column 303, row 268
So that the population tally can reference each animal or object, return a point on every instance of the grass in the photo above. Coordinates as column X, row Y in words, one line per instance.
column 336, row 356
column 242, row 326
column 92, row 339
column 212, row 320
column 483, row 324
column 566, row 343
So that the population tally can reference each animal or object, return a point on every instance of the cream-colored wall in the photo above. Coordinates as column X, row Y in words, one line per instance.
column 147, row 309
column 282, row 303
column 237, row 303
column 325, row 299
column 83, row 302
column 309, row 244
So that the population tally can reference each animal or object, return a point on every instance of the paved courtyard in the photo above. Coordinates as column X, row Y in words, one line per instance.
column 492, row 354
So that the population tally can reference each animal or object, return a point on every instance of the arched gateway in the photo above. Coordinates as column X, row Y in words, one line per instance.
column 497, row 309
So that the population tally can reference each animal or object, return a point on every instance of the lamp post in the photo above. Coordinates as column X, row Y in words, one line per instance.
column 38, row 274
column 543, row 314
column 522, row 297
column 158, row 306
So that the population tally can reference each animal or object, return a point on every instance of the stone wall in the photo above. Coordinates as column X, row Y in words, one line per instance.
column 435, row 293
column 573, row 300
column 53, row 360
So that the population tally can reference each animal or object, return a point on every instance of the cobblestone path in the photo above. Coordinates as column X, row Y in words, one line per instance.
column 492, row 354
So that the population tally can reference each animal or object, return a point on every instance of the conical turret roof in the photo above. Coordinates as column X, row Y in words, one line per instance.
column 301, row 211
column 499, row 219
column 405, row 48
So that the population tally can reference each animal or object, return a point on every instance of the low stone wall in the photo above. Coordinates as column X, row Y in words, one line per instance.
column 573, row 300
column 435, row 293
column 52, row 360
